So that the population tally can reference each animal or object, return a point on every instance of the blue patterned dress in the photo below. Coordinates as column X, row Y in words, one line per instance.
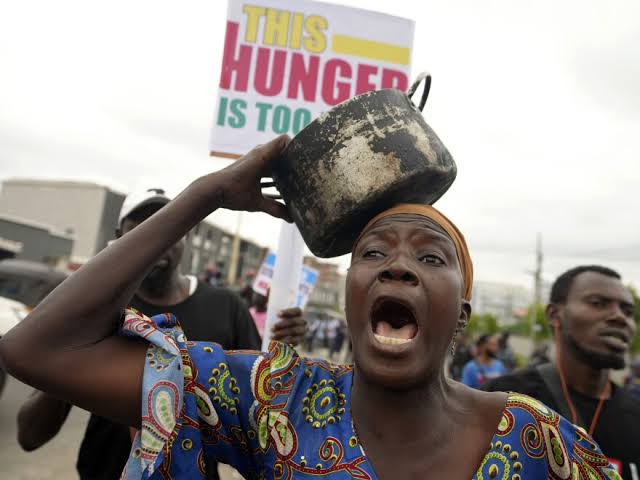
column 278, row 416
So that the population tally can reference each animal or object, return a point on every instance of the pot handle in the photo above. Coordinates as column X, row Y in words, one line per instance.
column 426, row 76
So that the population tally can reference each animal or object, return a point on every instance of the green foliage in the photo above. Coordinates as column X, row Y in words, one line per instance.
column 538, row 327
column 520, row 328
column 521, row 360
column 533, row 325
column 481, row 324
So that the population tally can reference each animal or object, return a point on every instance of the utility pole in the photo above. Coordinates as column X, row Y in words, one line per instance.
column 537, row 286
column 235, row 254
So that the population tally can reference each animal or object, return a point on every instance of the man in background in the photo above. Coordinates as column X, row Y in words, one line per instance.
column 205, row 312
column 485, row 365
column 591, row 312
column 505, row 352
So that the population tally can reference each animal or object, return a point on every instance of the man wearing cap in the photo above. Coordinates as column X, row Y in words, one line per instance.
column 206, row 313
column 591, row 312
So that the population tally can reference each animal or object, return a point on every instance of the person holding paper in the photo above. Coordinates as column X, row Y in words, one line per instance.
column 393, row 415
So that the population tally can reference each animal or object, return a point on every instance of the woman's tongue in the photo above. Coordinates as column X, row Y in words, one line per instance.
column 405, row 332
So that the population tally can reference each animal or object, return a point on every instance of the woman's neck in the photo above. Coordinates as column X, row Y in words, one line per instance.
column 396, row 416
column 409, row 433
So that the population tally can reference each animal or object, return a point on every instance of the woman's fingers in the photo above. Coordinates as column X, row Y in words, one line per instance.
column 270, row 151
column 291, row 328
column 291, row 312
column 275, row 209
column 272, row 196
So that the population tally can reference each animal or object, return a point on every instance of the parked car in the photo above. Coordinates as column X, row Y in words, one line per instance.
column 11, row 313
column 28, row 282
column 23, row 284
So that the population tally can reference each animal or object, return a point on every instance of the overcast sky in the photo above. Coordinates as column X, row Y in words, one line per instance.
column 539, row 103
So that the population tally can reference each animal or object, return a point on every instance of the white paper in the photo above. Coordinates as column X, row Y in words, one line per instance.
column 262, row 282
column 286, row 276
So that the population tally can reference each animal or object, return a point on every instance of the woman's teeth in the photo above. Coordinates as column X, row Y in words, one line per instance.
column 388, row 335
column 391, row 340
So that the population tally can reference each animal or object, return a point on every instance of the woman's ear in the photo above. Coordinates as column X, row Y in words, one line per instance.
column 465, row 314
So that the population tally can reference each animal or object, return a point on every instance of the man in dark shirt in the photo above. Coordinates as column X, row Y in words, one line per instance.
column 205, row 312
column 591, row 312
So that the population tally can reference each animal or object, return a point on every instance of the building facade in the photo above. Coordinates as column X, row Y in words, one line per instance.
column 330, row 288
column 24, row 240
column 83, row 216
column 84, row 210
column 506, row 302
column 211, row 246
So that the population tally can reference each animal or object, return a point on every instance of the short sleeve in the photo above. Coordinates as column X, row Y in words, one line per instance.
column 501, row 368
column 587, row 457
column 469, row 375
column 197, row 404
column 535, row 440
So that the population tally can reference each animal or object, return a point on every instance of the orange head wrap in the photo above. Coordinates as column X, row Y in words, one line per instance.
column 462, row 252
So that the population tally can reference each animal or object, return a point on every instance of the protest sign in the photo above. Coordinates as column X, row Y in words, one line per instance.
column 308, row 279
column 285, row 283
column 286, row 61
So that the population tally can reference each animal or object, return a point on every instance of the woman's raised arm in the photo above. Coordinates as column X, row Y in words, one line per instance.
column 67, row 346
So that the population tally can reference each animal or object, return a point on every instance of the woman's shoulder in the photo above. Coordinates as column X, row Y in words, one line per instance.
column 266, row 399
column 280, row 359
column 531, row 433
column 282, row 367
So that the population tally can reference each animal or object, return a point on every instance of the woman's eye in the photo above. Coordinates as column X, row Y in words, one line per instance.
column 373, row 254
column 433, row 259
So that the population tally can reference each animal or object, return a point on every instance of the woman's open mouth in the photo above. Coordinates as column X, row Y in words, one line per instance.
column 393, row 323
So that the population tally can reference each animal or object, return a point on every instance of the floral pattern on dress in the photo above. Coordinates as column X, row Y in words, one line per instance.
column 274, row 415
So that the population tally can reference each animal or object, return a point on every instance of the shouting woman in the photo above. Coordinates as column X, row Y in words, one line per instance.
column 393, row 415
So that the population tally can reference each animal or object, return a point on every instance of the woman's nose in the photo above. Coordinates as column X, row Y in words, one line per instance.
column 398, row 273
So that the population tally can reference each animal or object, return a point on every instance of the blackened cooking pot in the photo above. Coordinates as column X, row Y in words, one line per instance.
column 359, row 158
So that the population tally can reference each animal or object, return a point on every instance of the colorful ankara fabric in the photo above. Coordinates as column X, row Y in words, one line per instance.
column 278, row 416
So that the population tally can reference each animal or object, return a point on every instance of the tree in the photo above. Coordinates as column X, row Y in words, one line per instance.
column 481, row 324
column 537, row 325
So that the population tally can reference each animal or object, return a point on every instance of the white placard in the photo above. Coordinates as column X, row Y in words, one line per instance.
column 286, row 276
column 262, row 282
column 287, row 61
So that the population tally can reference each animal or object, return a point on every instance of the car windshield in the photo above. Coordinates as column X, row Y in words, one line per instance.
column 25, row 289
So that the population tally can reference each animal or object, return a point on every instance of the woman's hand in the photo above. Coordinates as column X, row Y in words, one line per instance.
column 239, row 185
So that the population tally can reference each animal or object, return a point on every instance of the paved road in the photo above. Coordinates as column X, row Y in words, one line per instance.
column 54, row 461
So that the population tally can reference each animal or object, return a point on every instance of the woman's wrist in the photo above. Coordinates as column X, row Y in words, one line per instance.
column 208, row 191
